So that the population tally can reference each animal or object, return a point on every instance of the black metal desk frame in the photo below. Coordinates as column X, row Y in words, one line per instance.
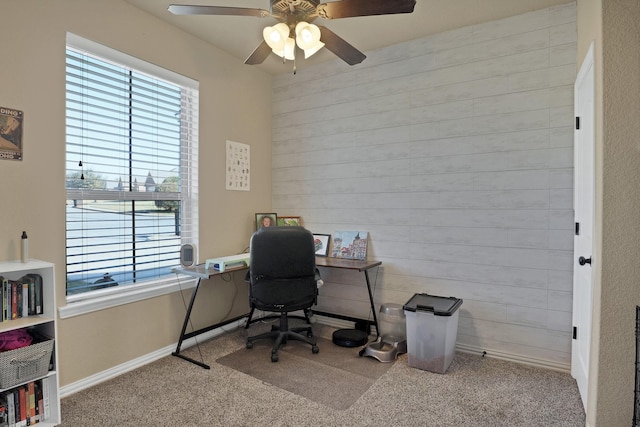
column 200, row 273
column 362, row 266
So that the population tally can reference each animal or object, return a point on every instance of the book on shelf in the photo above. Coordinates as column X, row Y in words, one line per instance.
column 31, row 403
column 11, row 409
column 39, row 402
column 22, row 393
column 21, row 298
column 14, row 299
column 4, row 412
column 45, row 398
column 6, row 299
column 2, row 302
column 37, row 293
column 24, row 405
column 24, row 310
column 33, row 303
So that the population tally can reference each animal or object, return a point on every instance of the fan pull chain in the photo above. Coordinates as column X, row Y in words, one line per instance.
column 294, row 62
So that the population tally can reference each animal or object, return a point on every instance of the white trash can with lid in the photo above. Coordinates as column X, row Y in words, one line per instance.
column 432, row 330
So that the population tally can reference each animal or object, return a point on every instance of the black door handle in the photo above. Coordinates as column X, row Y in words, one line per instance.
column 582, row 260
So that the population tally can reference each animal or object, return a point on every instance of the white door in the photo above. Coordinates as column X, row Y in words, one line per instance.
column 583, row 202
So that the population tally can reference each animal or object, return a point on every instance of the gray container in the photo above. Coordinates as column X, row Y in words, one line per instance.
column 432, row 329
column 392, row 322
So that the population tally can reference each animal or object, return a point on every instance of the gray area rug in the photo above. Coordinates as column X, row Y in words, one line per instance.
column 300, row 371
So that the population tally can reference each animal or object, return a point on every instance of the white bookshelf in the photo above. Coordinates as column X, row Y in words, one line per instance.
column 44, row 323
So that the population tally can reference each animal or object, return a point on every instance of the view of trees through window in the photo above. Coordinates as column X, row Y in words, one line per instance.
column 130, row 142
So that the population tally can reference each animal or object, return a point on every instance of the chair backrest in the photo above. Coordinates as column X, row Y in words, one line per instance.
column 282, row 269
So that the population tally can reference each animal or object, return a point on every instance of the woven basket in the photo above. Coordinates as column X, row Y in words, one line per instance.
column 25, row 364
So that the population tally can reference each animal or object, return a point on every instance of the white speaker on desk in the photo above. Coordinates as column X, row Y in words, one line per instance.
column 188, row 255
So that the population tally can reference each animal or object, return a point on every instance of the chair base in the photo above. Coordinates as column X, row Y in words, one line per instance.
column 282, row 334
column 307, row 317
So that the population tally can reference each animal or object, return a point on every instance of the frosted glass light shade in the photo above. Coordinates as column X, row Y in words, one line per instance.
column 308, row 38
column 288, row 50
column 317, row 47
column 276, row 36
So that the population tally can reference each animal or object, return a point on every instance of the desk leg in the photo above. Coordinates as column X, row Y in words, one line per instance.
column 373, row 307
column 184, row 329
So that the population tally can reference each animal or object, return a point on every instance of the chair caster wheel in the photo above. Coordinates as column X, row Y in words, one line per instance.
column 274, row 357
column 309, row 334
column 249, row 345
column 315, row 349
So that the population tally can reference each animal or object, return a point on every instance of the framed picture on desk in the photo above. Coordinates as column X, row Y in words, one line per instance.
column 266, row 220
column 350, row 244
column 321, row 242
column 289, row 221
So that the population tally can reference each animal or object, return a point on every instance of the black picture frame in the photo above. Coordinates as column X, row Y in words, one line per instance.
column 261, row 218
column 322, row 242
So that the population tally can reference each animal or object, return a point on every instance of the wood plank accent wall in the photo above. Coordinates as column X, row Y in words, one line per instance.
column 455, row 153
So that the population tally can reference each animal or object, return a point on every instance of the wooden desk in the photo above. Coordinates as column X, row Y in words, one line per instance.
column 356, row 265
column 200, row 273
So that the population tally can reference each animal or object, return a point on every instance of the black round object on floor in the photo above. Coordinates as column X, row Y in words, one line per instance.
column 350, row 338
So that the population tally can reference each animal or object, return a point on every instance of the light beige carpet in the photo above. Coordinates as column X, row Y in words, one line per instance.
column 475, row 392
column 300, row 371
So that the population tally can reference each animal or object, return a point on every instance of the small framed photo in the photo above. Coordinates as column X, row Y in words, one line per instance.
column 321, row 242
column 266, row 220
column 289, row 221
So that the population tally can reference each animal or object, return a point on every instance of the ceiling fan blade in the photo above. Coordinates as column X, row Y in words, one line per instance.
column 259, row 55
column 351, row 8
column 340, row 47
column 183, row 9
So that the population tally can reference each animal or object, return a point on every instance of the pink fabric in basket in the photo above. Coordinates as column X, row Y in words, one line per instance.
column 12, row 340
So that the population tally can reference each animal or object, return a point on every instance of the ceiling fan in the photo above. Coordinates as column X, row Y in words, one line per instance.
column 296, row 28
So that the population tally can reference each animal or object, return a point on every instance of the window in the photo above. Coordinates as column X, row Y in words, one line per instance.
column 131, row 170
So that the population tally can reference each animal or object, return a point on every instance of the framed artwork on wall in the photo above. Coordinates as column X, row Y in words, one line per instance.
column 10, row 134
column 266, row 220
column 289, row 221
column 238, row 166
column 321, row 242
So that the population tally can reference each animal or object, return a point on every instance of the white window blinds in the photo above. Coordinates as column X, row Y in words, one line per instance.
column 131, row 168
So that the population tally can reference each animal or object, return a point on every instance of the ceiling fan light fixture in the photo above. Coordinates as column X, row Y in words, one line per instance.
column 288, row 49
column 309, row 52
column 295, row 17
column 276, row 36
column 308, row 38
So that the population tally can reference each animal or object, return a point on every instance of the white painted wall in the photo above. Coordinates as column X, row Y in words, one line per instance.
column 455, row 153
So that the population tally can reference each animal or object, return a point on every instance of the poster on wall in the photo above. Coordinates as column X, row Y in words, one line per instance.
column 10, row 134
column 238, row 166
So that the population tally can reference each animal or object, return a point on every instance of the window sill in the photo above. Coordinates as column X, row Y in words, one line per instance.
column 78, row 305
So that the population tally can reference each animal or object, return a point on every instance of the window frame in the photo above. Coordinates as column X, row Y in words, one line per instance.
column 81, row 303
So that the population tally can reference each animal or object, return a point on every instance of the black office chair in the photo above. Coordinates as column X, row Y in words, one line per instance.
column 282, row 279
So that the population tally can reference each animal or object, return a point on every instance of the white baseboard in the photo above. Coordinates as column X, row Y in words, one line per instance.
column 540, row 363
column 463, row 348
column 108, row 374
column 333, row 322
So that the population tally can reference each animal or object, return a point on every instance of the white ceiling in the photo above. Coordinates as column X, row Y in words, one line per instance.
column 240, row 35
